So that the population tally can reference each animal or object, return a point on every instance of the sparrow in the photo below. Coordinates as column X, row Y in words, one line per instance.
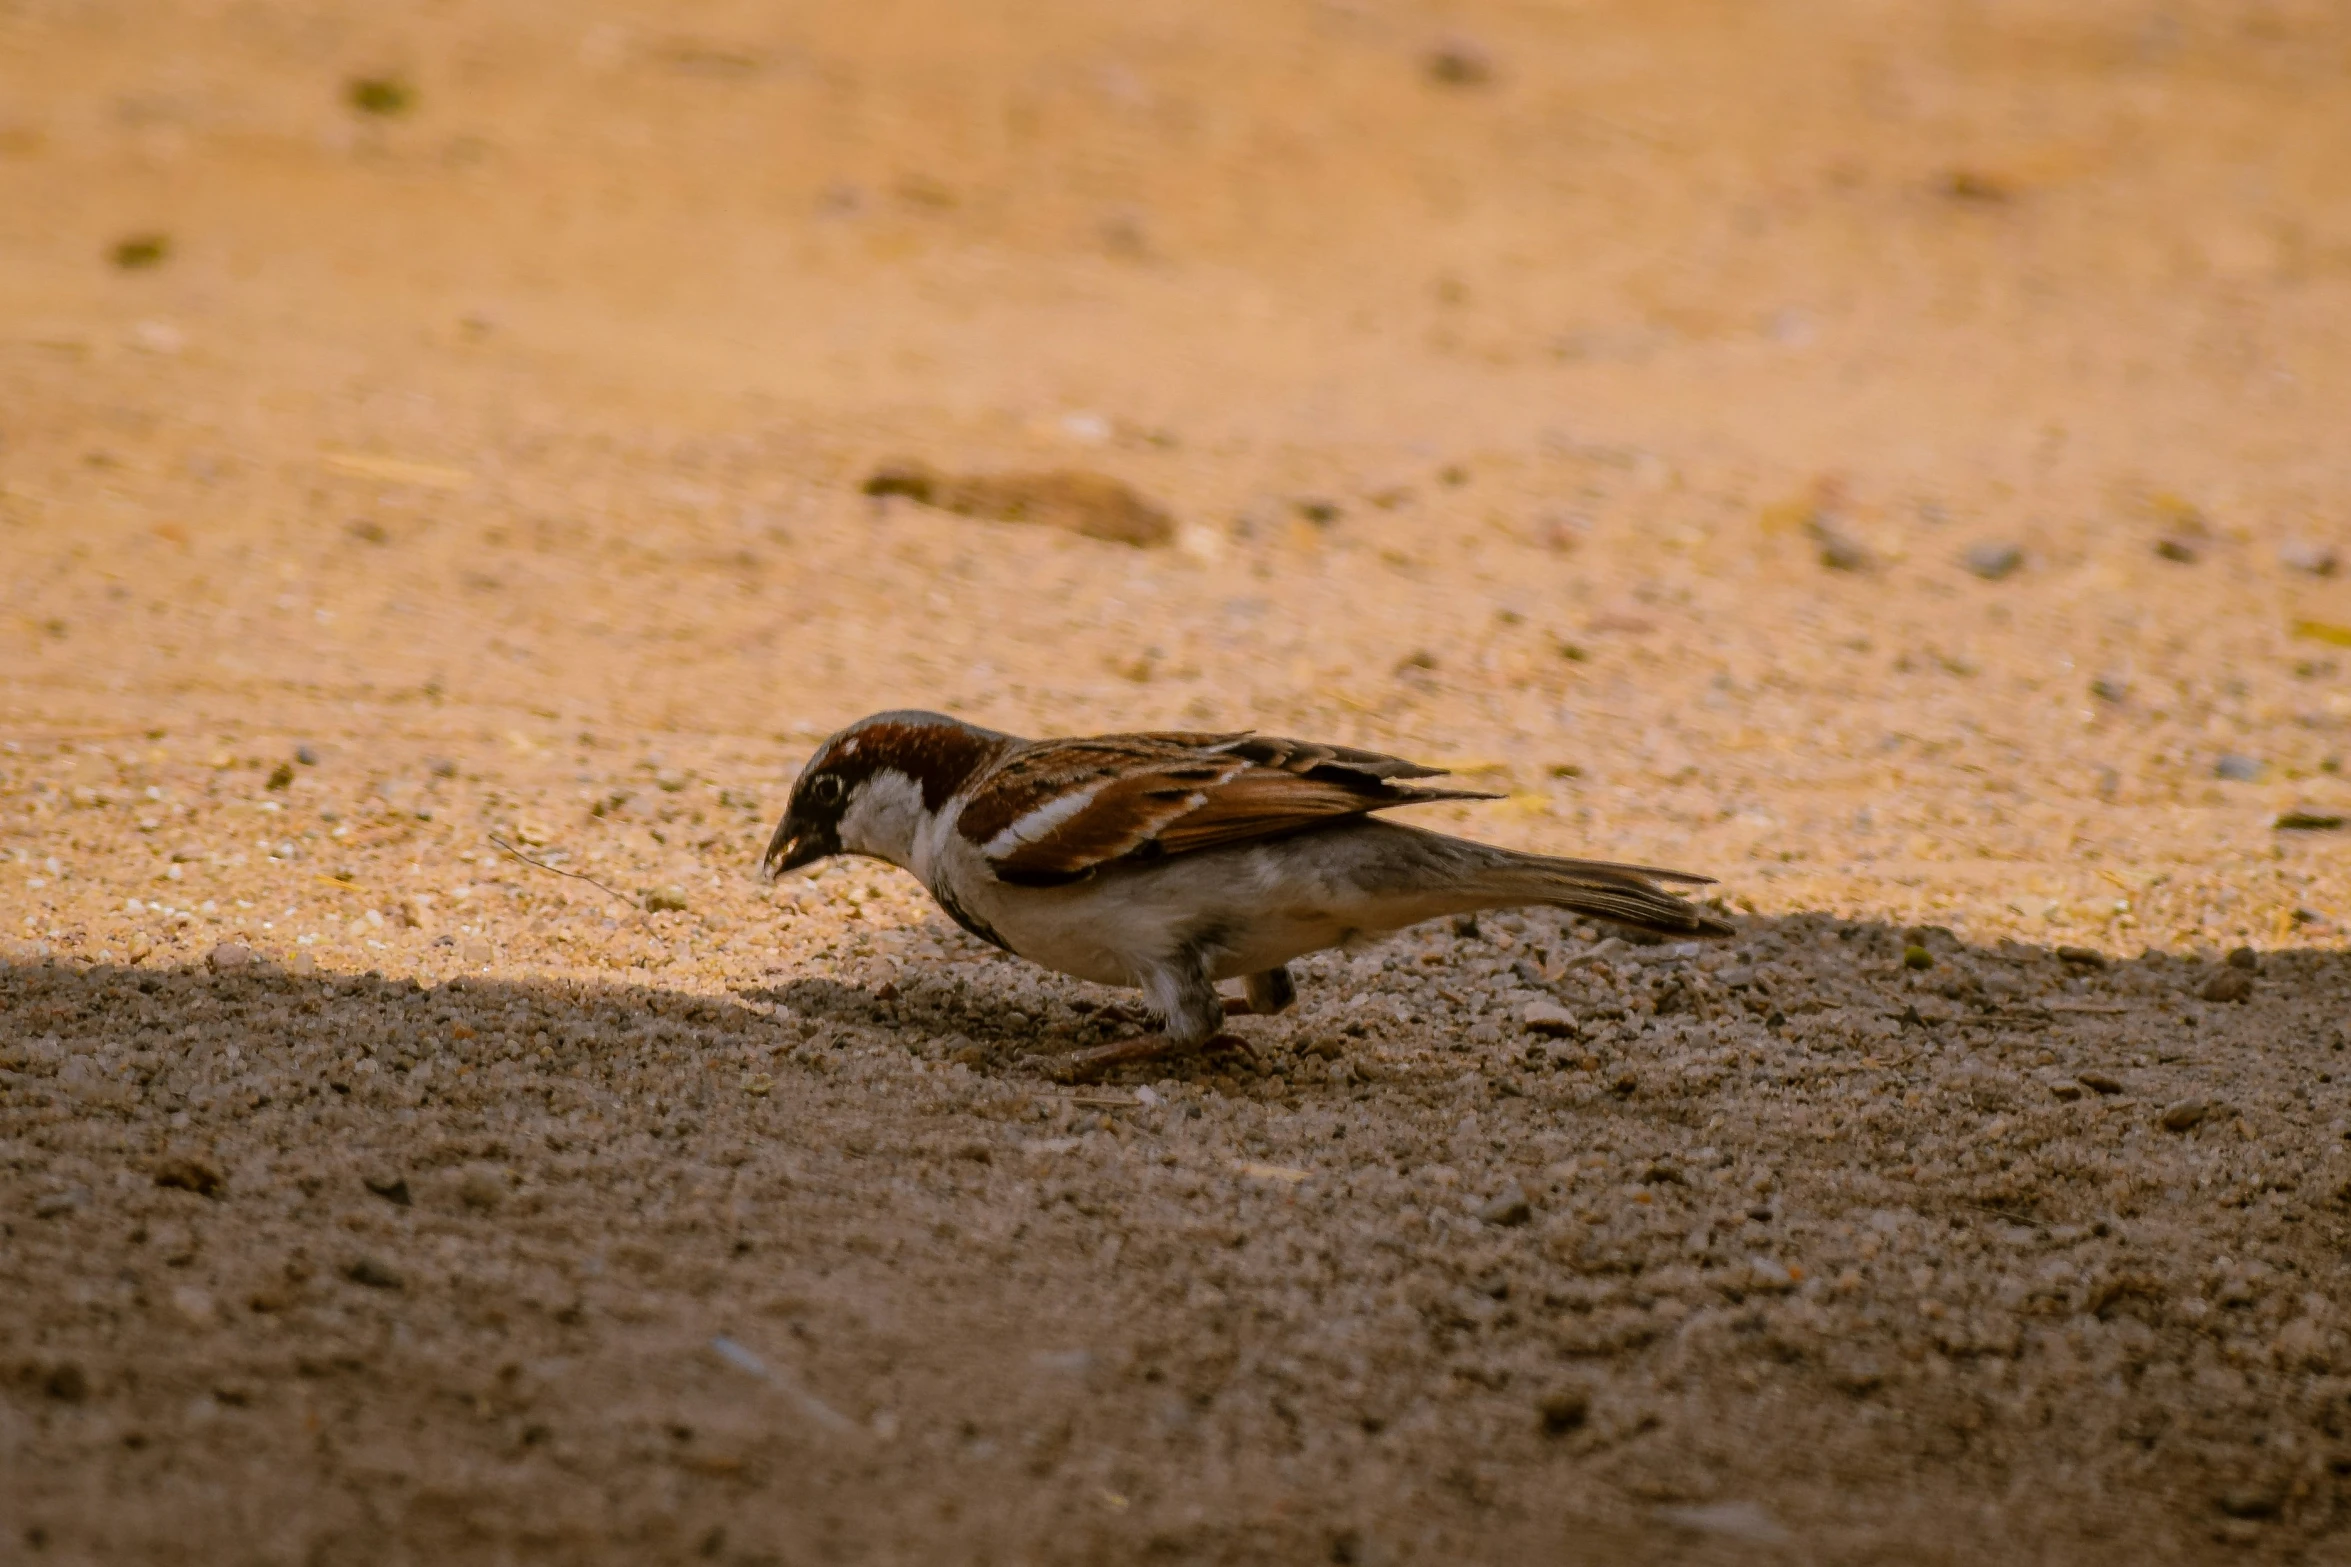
column 1168, row 861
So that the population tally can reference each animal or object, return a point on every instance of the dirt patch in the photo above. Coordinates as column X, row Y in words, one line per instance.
column 1091, row 505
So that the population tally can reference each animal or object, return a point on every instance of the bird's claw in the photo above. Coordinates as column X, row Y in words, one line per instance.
column 1086, row 1066
column 1236, row 1045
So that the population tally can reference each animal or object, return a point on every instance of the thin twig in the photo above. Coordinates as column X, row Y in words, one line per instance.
column 560, row 871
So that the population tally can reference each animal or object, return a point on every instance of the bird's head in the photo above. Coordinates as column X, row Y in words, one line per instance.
column 869, row 789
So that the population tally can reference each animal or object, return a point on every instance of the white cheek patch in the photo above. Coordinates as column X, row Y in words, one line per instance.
column 1036, row 824
column 883, row 817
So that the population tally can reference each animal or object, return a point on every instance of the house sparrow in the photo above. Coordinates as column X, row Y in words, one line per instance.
column 1170, row 861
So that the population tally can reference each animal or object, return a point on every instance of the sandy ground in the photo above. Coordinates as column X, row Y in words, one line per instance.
column 1889, row 458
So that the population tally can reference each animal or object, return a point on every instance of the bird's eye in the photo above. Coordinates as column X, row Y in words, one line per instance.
column 826, row 789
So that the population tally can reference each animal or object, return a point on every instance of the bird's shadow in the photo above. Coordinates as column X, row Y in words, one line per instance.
column 942, row 1018
column 1494, row 989
column 1836, row 984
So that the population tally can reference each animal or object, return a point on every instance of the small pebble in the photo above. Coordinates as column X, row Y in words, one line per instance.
column 1857, row 1374
column 1839, row 550
column 2110, row 688
column 2178, row 550
column 1092, row 505
column 665, row 900
column 2309, row 557
column 2309, row 821
column 1564, row 1410
column 482, row 1188
column 1917, row 957
column 739, row 1357
column 229, row 955
column 391, row 1186
column 1731, row 1520
column 1458, row 62
column 2184, row 1116
column 137, row 252
column 306, row 756
column 2067, row 1091
column 2099, row 1082
column 1992, row 561
column 2230, row 984
column 1550, row 1020
column 2301, row 1343
column 2086, row 957
column 376, row 1275
column 379, row 95
column 2245, row 958
column 192, row 1174
column 2238, row 769
column 1508, row 1207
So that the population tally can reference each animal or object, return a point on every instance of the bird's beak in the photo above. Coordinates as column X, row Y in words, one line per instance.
column 790, row 849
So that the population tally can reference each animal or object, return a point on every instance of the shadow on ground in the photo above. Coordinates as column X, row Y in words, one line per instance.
column 1777, row 1249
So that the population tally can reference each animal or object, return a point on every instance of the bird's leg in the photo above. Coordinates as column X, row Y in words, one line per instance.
column 1182, row 994
column 1186, row 1001
column 1270, row 992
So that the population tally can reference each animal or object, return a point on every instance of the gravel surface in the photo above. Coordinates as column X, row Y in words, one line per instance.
column 1901, row 476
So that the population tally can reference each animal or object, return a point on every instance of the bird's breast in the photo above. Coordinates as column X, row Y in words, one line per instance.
column 956, row 910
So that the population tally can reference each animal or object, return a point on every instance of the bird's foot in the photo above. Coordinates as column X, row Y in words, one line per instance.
column 1086, row 1066
column 1234, row 1044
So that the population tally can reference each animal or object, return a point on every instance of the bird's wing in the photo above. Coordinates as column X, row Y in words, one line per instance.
column 1056, row 809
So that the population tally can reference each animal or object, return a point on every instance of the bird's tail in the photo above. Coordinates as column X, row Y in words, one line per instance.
column 1624, row 894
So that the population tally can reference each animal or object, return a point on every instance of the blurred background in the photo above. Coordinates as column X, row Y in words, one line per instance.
column 1318, row 222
